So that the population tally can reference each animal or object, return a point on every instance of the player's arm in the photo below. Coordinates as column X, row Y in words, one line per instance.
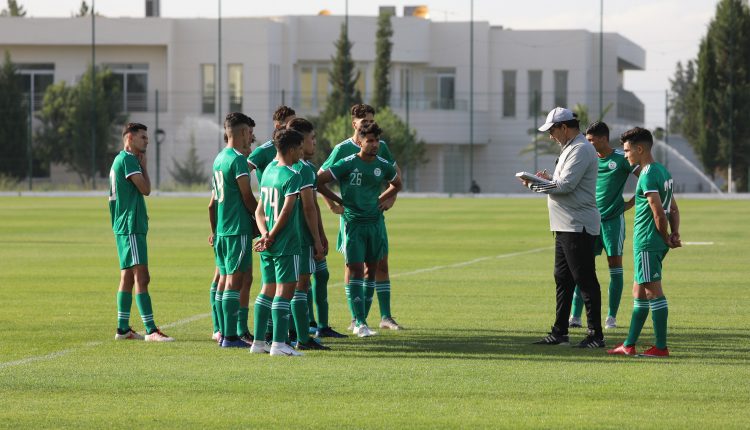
column 394, row 187
column 310, row 212
column 333, row 201
column 212, row 218
column 630, row 203
column 140, row 179
column 243, row 183
column 570, row 175
column 390, row 202
column 321, row 229
column 286, row 213
column 660, row 217
column 674, row 224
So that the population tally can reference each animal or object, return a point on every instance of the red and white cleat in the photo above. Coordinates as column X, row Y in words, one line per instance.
column 621, row 349
column 158, row 336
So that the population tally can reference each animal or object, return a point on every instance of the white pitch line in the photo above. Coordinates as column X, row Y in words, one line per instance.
column 53, row 355
column 699, row 243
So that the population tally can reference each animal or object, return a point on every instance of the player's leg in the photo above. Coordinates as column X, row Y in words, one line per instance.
column 657, row 303
column 564, row 286
column 218, row 309
column 613, row 238
column 236, row 266
column 580, row 257
column 247, row 281
column 341, row 239
column 320, row 295
column 126, row 256
column 637, row 320
column 383, row 282
column 212, row 300
column 299, row 304
column 287, row 276
column 577, row 306
column 263, row 303
column 142, row 279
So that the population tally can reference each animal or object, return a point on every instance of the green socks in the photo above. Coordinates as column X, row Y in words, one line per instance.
column 640, row 314
column 310, row 308
column 262, row 312
column 369, row 294
column 299, row 312
column 214, row 315
column 659, row 313
column 349, row 300
column 280, row 316
column 357, row 297
column 219, row 310
column 143, row 301
column 230, row 304
column 242, row 316
column 124, row 303
column 577, row 309
column 383, row 288
column 615, row 290
column 320, row 293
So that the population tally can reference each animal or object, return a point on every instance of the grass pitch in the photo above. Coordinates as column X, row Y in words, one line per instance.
column 472, row 282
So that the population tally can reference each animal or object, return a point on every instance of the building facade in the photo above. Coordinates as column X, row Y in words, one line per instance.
column 518, row 76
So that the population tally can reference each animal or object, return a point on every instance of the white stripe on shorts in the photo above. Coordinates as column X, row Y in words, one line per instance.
column 133, row 249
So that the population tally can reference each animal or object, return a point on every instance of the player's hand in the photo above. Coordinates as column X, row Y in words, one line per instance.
column 337, row 209
column 324, row 243
column 674, row 240
column 630, row 203
column 211, row 239
column 142, row 159
column 543, row 174
column 386, row 204
column 319, row 252
column 260, row 245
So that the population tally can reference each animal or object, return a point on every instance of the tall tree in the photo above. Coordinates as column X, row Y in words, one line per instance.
column 13, row 9
column 722, row 97
column 383, row 47
column 680, row 87
column 83, row 10
column 343, row 79
column 13, row 122
column 190, row 171
column 66, row 123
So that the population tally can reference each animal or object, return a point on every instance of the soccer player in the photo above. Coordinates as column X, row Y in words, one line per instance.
column 128, row 183
column 363, row 114
column 614, row 171
column 656, row 214
column 279, row 245
column 361, row 177
column 234, row 205
column 262, row 156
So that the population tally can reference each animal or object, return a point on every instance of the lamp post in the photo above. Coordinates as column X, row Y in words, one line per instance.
column 93, row 95
column 471, row 94
column 218, row 86
column 160, row 135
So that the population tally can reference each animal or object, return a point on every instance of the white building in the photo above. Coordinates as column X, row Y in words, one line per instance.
column 267, row 61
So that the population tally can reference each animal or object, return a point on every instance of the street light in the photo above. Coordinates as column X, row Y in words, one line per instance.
column 160, row 135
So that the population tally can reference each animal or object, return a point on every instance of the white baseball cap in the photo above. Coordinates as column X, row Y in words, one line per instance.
column 556, row 115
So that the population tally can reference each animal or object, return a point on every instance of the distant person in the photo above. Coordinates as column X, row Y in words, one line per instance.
column 575, row 221
column 474, row 188
column 656, row 214
column 614, row 171
column 128, row 183
column 234, row 205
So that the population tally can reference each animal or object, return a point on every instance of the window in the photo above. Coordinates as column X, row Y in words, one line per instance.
column 535, row 93
column 235, row 87
column 561, row 88
column 440, row 89
column 35, row 78
column 509, row 93
column 133, row 80
column 208, row 88
column 312, row 87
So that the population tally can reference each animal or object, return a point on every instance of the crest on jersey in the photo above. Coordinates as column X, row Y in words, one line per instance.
column 377, row 171
column 612, row 165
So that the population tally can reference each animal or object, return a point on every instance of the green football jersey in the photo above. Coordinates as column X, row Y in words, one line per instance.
column 261, row 157
column 309, row 180
column 361, row 183
column 614, row 170
column 127, row 207
column 348, row 148
column 278, row 183
column 232, row 217
column 654, row 178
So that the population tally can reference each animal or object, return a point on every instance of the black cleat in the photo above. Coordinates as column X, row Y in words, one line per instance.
column 312, row 345
column 591, row 341
column 329, row 332
column 247, row 338
column 554, row 339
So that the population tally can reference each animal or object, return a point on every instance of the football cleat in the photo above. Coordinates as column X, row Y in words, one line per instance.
column 389, row 323
column 352, row 326
column 247, row 338
column 575, row 322
column 363, row 331
column 610, row 322
column 554, row 339
column 282, row 349
column 591, row 342
column 239, row 343
column 655, row 352
column 260, row 347
column 312, row 345
column 130, row 334
column 216, row 337
column 158, row 336
column 329, row 332
column 622, row 349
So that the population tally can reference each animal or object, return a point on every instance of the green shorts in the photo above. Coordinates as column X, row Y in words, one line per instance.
column 612, row 237
column 279, row 269
column 364, row 242
column 648, row 265
column 341, row 239
column 307, row 260
column 131, row 248
column 233, row 253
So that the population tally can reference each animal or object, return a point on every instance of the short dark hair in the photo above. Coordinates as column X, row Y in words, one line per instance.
column 599, row 129
column 286, row 140
column 361, row 110
column 132, row 127
column 300, row 125
column 235, row 119
column 638, row 136
column 371, row 128
column 283, row 112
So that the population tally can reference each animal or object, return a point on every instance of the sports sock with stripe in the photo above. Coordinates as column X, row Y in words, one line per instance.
column 320, row 294
column 280, row 316
column 242, row 316
column 214, row 315
column 615, row 290
column 261, row 315
column 383, row 289
column 230, row 303
column 369, row 294
column 143, row 300
column 310, row 307
column 219, row 309
column 350, row 300
column 659, row 314
column 357, row 294
column 640, row 314
column 124, row 303
column 299, row 312
column 577, row 308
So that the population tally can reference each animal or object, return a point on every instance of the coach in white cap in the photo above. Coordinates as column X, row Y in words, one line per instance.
column 575, row 221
